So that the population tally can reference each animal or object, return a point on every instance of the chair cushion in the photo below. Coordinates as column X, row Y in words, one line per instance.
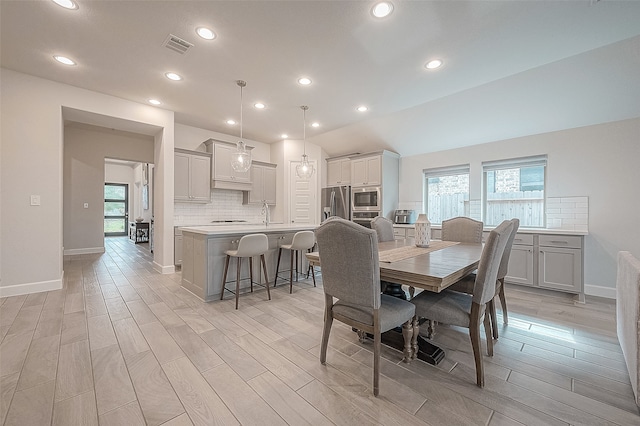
column 393, row 312
column 449, row 307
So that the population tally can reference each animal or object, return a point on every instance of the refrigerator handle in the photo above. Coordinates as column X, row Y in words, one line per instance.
column 332, row 203
column 343, row 213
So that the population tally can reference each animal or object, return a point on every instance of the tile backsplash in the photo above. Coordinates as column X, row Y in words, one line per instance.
column 224, row 205
column 569, row 213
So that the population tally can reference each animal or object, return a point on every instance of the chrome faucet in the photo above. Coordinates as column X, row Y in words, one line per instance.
column 267, row 214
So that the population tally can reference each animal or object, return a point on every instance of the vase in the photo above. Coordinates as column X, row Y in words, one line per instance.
column 423, row 231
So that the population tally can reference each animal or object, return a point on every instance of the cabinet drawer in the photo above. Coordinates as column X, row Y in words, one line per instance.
column 569, row 241
column 411, row 232
column 523, row 239
column 399, row 232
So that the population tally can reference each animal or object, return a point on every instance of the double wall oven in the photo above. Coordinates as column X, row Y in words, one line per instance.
column 366, row 203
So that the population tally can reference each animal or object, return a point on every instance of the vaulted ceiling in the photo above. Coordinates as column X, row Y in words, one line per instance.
column 511, row 68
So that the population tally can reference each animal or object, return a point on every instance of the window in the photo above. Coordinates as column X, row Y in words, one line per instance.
column 515, row 189
column 446, row 193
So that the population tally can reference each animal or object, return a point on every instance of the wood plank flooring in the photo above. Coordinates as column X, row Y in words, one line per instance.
column 123, row 345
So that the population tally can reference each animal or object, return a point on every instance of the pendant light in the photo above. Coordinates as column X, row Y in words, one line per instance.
column 304, row 170
column 241, row 159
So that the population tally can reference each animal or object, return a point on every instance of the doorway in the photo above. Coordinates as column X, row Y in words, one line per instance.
column 303, row 203
column 116, row 209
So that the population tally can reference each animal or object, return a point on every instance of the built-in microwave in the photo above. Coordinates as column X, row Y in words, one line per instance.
column 366, row 199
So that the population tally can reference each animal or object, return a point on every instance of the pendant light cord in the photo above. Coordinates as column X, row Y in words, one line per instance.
column 304, row 109
column 241, row 86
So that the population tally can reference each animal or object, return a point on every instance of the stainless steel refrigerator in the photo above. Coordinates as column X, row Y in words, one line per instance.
column 336, row 201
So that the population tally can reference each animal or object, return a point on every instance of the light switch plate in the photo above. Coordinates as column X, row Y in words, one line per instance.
column 35, row 200
column 86, row 205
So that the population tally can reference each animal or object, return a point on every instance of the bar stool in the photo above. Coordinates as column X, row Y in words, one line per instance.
column 249, row 246
column 302, row 240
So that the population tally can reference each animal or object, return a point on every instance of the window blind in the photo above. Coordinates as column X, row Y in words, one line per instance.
column 512, row 163
column 446, row 171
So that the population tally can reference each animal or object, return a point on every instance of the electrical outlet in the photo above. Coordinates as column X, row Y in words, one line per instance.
column 35, row 200
column 86, row 205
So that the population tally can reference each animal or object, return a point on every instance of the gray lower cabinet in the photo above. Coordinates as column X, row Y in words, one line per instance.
column 177, row 246
column 549, row 261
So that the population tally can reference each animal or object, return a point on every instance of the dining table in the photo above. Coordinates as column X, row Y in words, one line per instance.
column 432, row 268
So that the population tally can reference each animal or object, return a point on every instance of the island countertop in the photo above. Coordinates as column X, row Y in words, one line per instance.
column 246, row 228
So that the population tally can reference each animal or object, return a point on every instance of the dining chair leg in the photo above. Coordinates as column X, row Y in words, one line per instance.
column 503, row 302
column 491, row 306
column 407, row 335
column 266, row 276
column 275, row 280
column 489, row 337
column 224, row 276
column 376, row 361
column 328, row 320
column 474, row 334
column 313, row 274
column 238, row 280
column 251, row 272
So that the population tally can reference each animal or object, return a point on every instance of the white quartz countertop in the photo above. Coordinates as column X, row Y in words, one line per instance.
column 246, row 228
column 547, row 231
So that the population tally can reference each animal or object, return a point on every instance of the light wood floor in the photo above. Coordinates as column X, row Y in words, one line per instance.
column 123, row 345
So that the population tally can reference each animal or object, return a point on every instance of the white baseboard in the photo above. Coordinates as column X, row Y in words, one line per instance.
column 89, row 250
column 164, row 269
column 600, row 291
column 28, row 288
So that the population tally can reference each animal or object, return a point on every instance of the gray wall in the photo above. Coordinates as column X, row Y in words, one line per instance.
column 600, row 162
column 85, row 150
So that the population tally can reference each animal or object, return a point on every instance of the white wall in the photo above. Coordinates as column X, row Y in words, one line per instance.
column 600, row 162
column 31, row 114
column 85, row 150
column 188, row 137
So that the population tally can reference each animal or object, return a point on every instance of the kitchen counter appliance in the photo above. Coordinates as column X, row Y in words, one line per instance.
column 405, row 217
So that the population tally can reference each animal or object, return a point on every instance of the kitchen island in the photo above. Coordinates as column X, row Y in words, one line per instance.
column 204, row 254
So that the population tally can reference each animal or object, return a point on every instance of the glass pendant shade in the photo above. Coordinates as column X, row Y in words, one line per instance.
column 304, row 170
column 241, row 158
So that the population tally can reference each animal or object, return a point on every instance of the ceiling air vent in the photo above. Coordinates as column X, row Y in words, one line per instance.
column 177, row 44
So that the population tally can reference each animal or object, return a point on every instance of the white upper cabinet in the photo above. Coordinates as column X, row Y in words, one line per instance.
column 192, row 176
column 338, row 172
column 223, row 175
column 263, row 184
column 366, row 171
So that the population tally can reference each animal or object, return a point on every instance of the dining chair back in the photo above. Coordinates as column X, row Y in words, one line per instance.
column 384, row 228
column 351, row 274
column 469, row 310
column 462, row 229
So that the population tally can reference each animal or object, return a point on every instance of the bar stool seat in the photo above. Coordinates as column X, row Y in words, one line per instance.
column 302, row 240
column 248, row 246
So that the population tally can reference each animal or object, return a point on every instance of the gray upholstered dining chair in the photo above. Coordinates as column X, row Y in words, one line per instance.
column 351, row 273
column 384, row 228
column 468, row 310
column 462, row 229
column 466, row 284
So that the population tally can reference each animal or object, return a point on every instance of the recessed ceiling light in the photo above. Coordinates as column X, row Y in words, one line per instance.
column 382, row 9
column 433, row 64
column 67, row 4
column 173, row 76
column 315, row 124
column 231, row 122
column 305, row 81
column 259, row 105
column 362, row 108
column 284, row 136
column 205, row 33
column 64, row 60
column 154, row 102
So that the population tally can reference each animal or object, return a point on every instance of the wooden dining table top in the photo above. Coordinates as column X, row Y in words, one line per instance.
column 433, row 271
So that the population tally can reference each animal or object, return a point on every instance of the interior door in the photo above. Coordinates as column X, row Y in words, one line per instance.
column 303, row 206
column 116, row 209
